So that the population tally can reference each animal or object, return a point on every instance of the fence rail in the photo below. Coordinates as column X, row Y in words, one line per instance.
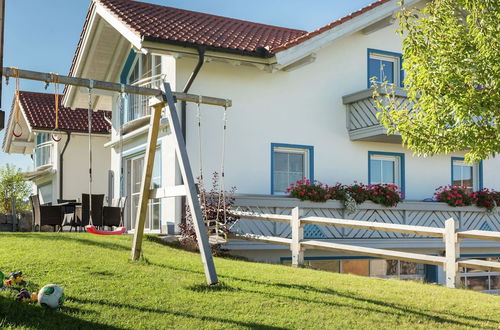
column 450, row 234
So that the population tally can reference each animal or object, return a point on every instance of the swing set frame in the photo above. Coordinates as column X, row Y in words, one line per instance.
column 162, row 99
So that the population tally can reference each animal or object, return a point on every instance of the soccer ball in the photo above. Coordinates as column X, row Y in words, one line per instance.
column 51, row 296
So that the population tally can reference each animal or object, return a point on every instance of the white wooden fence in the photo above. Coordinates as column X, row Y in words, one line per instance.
column 450, row 234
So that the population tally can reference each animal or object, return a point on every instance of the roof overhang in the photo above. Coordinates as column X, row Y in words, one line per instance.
column 368, row 21
column 24, row 143
column 102, row 52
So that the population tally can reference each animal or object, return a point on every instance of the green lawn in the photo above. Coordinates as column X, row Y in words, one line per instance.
column 166, row 290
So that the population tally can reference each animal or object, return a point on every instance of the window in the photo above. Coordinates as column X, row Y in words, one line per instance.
column 385, row 167
column 290, row 163
column 42, row 138
column 481, row 280
column 468, row 175
column 384, row 67
column 143, row 71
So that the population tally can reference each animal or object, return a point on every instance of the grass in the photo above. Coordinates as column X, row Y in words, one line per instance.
column 166, row 290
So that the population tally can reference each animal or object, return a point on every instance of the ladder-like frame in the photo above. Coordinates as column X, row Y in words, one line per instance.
column 168, row 102
column 163, row 98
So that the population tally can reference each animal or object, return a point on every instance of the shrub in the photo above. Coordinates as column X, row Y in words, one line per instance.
column 385, row 194
column 13, row 185
column 455, row 195
column 212, row 208
column 358, row 192
column 487, row 198
column 307, row 191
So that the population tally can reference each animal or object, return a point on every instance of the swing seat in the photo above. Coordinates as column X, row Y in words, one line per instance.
column 214, row 239
column 93, row 230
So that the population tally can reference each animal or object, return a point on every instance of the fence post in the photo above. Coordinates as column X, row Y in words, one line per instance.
column 452, row 253
column 297, row 237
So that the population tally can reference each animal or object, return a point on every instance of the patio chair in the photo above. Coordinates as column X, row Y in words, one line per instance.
column 97, row 210
column 69, row 218
column 113, row 215
column 44, row 215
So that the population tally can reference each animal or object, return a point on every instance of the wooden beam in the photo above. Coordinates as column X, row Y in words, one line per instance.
column 263, row 216
column 480, row 234
column 192, row 197
column 386, row 254
column 479, row 264
column 388, row 227
column 452, row 248
column 114, row 87
column 264, row 239
column 175, row 191
column 146, row 181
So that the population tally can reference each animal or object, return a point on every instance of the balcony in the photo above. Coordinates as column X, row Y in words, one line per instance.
column 138, row 105
column 416, row 213
column 43, row 154
column 362, row 123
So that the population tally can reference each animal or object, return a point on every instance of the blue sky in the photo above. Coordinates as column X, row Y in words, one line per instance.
column 42, row 35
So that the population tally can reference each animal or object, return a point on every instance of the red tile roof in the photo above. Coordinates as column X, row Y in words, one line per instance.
column 183, row 27
column 39, row 109
column 307, row 36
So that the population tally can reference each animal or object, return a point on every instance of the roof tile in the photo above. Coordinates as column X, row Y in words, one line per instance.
column 39, row 109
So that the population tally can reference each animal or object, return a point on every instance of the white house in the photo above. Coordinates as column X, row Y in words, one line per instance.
column 60, row 160
column 301, row 108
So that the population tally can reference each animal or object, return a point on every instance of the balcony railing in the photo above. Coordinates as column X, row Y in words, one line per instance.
column 43, row 154
column 428, row 214
column 137, row 105
column 362, row 122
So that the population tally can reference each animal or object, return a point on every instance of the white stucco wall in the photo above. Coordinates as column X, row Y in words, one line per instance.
column 302, row 107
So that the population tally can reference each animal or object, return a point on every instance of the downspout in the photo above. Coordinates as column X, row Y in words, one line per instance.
column 194, row 74
column 61, row 165
column 201, row 60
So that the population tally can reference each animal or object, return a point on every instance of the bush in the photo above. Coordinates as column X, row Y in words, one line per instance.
column 13, row 184
column 487, row 198
column 385, row 194
column 212, row 209
column 307, row 191
column 455, row 195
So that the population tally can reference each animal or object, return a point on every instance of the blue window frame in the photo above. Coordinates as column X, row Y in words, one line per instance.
column 385, row 66
column 386, row 167
column 468, row 175
column 290, row 163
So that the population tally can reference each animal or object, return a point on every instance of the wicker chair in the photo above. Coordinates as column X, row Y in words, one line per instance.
column 45, row 215
column 97, row 210
column 113, row 215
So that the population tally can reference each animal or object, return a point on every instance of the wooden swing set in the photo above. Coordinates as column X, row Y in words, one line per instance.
column 161, row 99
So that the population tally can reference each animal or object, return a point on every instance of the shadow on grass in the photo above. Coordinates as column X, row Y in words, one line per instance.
column 252, row 325
column 62, row 237
column 23, row 315
column 219, row 287
column 399, row 310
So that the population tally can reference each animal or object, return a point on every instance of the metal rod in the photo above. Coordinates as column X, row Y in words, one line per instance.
column 114, row 87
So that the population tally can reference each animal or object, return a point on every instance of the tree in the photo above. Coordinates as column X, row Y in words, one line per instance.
column 451, row 59
column 12, row 184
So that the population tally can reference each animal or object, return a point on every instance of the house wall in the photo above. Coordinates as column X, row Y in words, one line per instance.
column 302, row 107
column 76, row 166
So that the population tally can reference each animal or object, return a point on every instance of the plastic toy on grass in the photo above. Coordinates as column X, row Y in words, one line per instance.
column 25, row 296
column 51, row 296
column 15, row 278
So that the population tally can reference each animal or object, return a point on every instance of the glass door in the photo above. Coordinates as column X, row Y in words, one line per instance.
column 135, row 167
